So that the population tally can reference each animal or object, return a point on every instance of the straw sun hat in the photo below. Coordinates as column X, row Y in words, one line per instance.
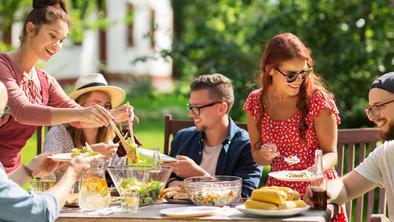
column 95, row 81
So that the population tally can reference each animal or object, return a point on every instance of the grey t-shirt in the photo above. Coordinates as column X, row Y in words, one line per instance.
column 210, row 158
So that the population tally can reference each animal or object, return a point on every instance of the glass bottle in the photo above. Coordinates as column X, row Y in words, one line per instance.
column 94, row 193
column 319, row 183
column 156, row 159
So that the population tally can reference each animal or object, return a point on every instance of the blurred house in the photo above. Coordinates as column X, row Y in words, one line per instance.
column 124, row 50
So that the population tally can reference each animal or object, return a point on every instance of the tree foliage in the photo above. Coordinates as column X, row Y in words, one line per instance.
column 351, row 43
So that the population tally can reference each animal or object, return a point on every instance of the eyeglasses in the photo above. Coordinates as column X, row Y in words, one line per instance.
column 197, row 109
column 374, row 110
column 292, row 76
column 6, row 111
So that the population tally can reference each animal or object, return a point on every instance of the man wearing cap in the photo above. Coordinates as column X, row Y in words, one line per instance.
column 378, row 168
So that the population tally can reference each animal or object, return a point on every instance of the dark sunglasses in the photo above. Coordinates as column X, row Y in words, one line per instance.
column 292, row 76
column 197, row 109
column 5, row 112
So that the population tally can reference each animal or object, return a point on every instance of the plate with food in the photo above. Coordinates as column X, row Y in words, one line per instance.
column 85, row 151
column 194, row 211
column 293, row 175
column 60, row 157
column 149, row 153
column 271, row 213
column 175, row 195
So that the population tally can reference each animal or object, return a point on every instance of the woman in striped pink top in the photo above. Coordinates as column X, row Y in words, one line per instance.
column 34, row 97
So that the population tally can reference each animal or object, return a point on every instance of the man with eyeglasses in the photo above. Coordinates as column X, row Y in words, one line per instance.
column 378, row 168
column 215, row 145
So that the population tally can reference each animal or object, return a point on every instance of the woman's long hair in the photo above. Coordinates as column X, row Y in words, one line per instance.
column 280, row 48
column 104, row 134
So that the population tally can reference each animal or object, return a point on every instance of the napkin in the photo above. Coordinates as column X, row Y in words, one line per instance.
column 105, row 211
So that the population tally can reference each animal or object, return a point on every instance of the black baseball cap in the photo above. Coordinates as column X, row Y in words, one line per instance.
column 385, row 82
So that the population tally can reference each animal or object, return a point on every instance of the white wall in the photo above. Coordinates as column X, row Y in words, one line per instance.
column 73, row 60
column 120, row 57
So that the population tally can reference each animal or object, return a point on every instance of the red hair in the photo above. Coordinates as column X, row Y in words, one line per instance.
column 280, row 48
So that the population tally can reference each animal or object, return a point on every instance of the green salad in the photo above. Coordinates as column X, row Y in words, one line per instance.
column 87, row 150
column 148, row 192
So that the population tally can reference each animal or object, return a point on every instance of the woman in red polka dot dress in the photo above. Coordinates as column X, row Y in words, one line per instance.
column 292, row 114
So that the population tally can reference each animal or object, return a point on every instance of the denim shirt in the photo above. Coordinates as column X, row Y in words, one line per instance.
column 16, row 204
column 235, row 158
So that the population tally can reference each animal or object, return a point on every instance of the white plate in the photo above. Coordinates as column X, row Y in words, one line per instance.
column 195, row 211
column 60, row 157
column 271, row 213
column 304, row 175
column 149, row 153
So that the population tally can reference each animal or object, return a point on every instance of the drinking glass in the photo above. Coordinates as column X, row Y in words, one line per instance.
column 129, row 201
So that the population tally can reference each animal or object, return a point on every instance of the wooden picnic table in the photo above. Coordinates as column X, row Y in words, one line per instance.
column 152, row 213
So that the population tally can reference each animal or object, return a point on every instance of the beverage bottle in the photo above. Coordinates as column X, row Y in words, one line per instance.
column 319, row 183
column 156, row 159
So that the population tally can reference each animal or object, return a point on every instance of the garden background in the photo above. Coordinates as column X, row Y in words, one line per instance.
column 352, row 42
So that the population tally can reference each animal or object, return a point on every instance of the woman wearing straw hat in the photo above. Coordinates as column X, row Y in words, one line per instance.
column 91, row 89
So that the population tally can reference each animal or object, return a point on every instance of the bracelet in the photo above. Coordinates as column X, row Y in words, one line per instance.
column 28, row 171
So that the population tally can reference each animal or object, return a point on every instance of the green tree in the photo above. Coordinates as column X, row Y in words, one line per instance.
column 350, row 43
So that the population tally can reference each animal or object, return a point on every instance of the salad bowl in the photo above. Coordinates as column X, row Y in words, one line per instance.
column 213, row 191
column 147, row 181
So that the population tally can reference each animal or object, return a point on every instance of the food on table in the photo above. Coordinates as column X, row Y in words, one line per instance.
column 292, row 160
column 148, row 192
column 83, row 151
column 299, row 175
column 214, row 190
column 213, row 198
column 260, row 205
column 290, row 204
column 274, row 198
column 291, row 194
column 174, row 193
column 94, row 193
column 269, row 195
column 72, row 200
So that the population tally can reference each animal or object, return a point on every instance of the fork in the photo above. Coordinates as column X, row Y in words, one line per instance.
column 287, row 159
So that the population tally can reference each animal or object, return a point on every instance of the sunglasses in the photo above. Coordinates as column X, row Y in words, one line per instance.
column 5, row 112
column 292, row 76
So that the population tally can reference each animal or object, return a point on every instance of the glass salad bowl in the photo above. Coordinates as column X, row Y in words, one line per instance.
column 147, row 181
column 213, row 191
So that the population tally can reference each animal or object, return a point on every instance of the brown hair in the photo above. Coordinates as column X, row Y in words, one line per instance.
column 218, row 85
column 46, row 12
column 104, row 134
column 280, row 48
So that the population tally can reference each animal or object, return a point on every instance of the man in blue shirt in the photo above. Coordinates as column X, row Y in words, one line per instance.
column 16, row 204
column 215, row 145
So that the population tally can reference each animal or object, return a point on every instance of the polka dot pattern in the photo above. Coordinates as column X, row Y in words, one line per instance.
column 286, row 136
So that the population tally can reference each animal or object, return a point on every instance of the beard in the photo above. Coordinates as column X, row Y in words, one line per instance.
column 389, row 135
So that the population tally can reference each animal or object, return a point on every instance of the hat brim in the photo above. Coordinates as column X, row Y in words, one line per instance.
column 117, row 94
